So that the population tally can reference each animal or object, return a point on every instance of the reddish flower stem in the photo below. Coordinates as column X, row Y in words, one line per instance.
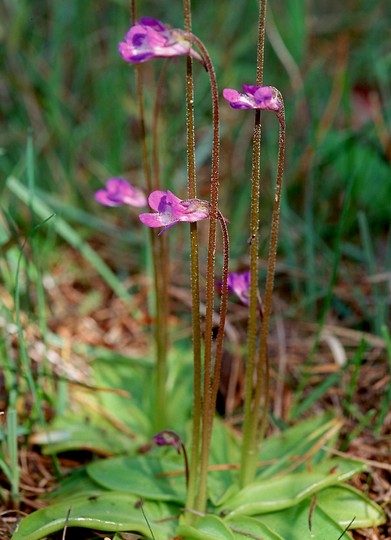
column 263, row 375
column 207, row 406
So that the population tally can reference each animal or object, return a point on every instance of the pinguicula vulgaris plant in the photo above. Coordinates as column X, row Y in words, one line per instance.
column 296, row 491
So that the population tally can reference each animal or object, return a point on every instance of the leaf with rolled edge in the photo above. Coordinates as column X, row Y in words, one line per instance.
column 148, row 477
column 292, row 445
column 112, row 511
column 245, row 527
column 78, row 483
column 288, row 449
column 299, row 522
column 70, row 433
column 225, row 450
column 342, row 506
column 290, row 489
column 212, row 527
column 346, row 505
column 209, row 527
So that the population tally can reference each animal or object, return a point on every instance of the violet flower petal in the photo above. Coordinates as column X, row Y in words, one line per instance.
column 153, row 23
column 157, row 220
column 158, row 200
column 170, row 209
column 238, row 100
column 255, row 97
column 150, row 38
column 119, row 192
column 191, row 210
column 102, row 197
column 239, row 284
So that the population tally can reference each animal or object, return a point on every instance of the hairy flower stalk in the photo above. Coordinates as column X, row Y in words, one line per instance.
column 194, row 280
column 245, row 473
column 223, row 313
column 258, row 98
column 169, row 210
column 249, row 449
column 147, row 39
column 208, row 393
column 263, row 374
column 254, row 429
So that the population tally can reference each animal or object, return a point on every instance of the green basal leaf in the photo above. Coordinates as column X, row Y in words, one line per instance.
column 225, row 450
column 107, row 512
column 130, row 404
column 283, row 450
column 290, row 489
column 347, row 505
column 148, row 477
column 225, row 445
column 126, row 536
column 69, row 433
column 179, row 386
column 135, row 406
column 249, row 527
column 302, row 521
column 293, row 444
column 207, row 528
column 77, row 484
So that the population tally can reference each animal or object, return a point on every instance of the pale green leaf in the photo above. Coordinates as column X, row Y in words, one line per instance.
column 346, row 505
column 300, row 522
column 288, row 490
column 244, row 526
column 107, row 512
column 290, row 446
column 68, row 433
column 147, row 477
column 225, row 450
column 76, row 485
column 207, row 528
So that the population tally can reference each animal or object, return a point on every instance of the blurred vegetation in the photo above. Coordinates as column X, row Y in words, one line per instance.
column 63, row 81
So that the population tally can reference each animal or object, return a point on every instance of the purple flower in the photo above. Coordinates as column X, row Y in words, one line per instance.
column 168, row 438
column 255, row 97
column 239, row 283
column 149, row 38
column 169, row 209
column 118, row 192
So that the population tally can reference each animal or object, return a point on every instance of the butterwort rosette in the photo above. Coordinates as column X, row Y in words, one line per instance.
column 119, row 192
column 150, row 38
column 170, row 209
column 266, row 98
